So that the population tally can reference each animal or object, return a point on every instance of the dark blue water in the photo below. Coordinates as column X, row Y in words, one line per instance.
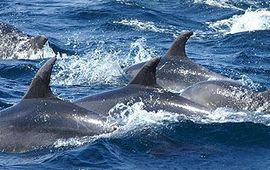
column 98, row 38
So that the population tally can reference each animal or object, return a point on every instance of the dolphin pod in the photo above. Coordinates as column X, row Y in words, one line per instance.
column 176, row 71
column 40, row 118
column 13, row 42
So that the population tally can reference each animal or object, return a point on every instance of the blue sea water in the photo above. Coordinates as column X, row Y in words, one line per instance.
column 97, row 39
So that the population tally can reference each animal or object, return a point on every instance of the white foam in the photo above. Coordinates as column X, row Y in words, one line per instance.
column 100, row 66
column 140, row 52
column 249, row 21
column 96, row 67
column 218, row 3
column 135, row 119
column 149, row 26
column 129, row 3
column 225, row 115
column 18, row 51
column 231, row 4
column 131, row 119
column 246, row 81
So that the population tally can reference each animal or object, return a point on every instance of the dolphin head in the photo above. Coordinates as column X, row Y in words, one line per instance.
column 38, row 42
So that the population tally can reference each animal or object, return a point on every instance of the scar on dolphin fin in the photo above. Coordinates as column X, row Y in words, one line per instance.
column 177, row 50
column 147, row 74
column 40, row 85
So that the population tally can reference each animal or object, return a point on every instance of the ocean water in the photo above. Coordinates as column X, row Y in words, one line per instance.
column 95, row 40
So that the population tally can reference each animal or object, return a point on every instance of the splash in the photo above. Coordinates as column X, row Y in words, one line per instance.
column 16, row 45
column 135, row 119
column 246, row 81
column 140, row 52
column 226, row 115
column 131, row 119
column 249, row 21
column 135, row 116
column 96, row 67
column 149, row 26
column 45, row 52
column 100, row 66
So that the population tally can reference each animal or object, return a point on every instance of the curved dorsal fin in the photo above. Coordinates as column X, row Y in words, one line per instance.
column 147, row 74
column 177, row 50
column 39, row 87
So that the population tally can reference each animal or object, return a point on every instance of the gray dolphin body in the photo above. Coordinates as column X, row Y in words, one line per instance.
column 14, row 42
column 227, row 94
column 142, row 88
column 41, row 118
column 176, row 71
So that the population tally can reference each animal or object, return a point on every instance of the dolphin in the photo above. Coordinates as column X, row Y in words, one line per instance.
column 176, row 71
column 228, row 94
column 41, row 118
column 14, row 42
column 143, row 88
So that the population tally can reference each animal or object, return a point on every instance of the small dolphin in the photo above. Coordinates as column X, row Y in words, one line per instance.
column 176, row 71
column 13, row 42
column 41, row 118
column 227, row 94
column 143, row 88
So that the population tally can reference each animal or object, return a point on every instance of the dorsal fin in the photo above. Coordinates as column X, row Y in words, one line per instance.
column 39, row 87
column 38, row 42
column 177, row 50
column 147, row 74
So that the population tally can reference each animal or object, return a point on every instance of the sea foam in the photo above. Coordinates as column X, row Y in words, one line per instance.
column 249, row 21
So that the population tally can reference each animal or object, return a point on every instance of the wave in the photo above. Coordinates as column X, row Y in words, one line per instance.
column 149, row 26
column 249, row 21
column 129, row 3
column 218, row 3
column 240, row 5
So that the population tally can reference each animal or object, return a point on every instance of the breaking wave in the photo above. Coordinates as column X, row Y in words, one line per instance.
column 249, row 21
